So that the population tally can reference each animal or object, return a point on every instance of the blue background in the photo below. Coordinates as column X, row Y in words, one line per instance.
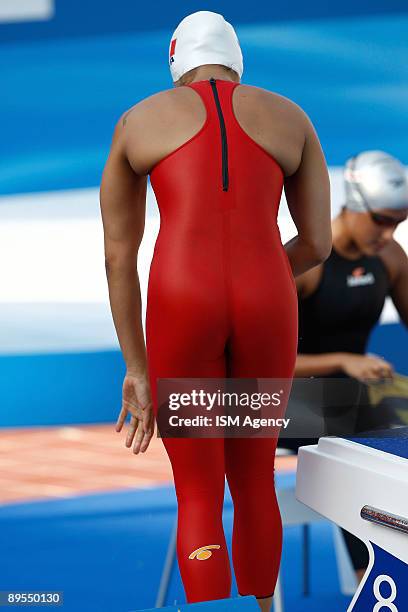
column 66, row 82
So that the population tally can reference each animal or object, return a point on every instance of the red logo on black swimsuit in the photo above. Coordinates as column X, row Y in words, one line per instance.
column 360, row 277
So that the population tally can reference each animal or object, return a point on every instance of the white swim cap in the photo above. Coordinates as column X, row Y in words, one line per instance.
column 377, row 178
column 202, row 38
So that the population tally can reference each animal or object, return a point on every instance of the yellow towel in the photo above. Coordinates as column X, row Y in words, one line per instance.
column 396, row 387
column 390, row 387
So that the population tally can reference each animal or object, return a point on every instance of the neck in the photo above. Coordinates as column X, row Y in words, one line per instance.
column 213, row 70
column 342, row 240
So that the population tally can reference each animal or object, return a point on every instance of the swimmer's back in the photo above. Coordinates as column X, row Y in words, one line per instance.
column 157, row 126
column 162, row 122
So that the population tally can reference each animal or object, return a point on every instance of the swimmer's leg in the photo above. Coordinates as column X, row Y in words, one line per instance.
column 199, row 477
column 257, row 529
column 192, row 349
column 263, row 345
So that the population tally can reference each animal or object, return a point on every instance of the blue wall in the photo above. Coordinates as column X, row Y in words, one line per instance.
column 87, row 387
column 61, row 98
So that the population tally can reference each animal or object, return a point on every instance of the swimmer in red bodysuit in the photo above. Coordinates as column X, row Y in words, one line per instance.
column 221, row 298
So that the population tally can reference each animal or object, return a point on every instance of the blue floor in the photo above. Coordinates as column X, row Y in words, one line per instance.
column 105, row 552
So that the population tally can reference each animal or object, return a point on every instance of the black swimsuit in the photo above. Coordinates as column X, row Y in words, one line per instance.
column 341, row 313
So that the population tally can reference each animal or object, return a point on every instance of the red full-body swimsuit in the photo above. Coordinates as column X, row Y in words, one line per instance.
column 221, row 302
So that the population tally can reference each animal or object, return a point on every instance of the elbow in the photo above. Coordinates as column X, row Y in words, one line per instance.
column 322, row 250
column 108, row 266
column 320, row 246
column 120, row 263
column 316, row 251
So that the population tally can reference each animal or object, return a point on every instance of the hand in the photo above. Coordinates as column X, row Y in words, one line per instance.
column 366, row 368
column 136, row 400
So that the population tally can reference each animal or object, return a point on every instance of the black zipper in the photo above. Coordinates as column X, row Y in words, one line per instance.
column 225, row 178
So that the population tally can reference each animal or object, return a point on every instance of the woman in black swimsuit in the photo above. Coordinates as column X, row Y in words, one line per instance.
column 340, row 301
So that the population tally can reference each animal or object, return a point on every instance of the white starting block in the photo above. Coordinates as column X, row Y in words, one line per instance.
column 362, row 485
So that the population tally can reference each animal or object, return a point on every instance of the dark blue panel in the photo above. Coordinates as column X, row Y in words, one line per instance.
column 392, row 441
column 386, row 587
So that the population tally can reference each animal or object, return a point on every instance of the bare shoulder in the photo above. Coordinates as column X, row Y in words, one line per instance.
column 152, row 104
column 394, row 258
column 272, row 100
column 157, row 125
column 172, row 99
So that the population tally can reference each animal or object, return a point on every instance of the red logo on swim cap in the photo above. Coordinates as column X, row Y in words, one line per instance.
column 172, row 49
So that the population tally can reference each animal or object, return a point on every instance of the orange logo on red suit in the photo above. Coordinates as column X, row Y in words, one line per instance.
column 203, row 552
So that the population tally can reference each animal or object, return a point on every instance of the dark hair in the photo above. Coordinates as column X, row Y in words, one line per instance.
column 193, row 70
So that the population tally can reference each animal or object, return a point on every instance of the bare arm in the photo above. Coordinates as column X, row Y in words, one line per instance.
column 308, row 196
column 123, row 205
column 363, row 367
column 399, row 290
column 318, row 365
